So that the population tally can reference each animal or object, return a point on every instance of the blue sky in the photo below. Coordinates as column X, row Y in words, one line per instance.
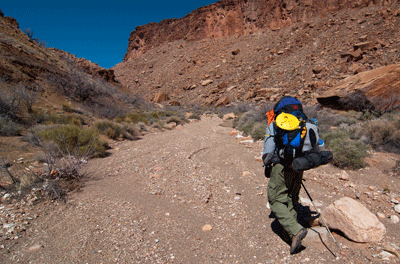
column 94, row 30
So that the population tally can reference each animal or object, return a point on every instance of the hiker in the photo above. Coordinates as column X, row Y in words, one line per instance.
column 289, row 136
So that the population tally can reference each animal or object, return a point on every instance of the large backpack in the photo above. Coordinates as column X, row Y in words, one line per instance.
column 290, row 128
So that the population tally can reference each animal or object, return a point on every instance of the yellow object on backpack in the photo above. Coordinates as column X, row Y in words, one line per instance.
column 287, row 121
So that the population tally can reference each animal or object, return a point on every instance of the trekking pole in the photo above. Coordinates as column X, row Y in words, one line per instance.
column 323, row 221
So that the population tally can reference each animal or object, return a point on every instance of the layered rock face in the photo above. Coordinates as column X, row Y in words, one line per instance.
column 234, row 17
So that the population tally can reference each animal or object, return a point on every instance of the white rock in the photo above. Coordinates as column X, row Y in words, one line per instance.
column 207, row 227
column 6, row 226
column 397, row 208
column 394, row 219
column 249, row 141
column 6, row 197
column 344, row 176
column 306, row 201
column 380, row 215
column 206, row 82
column 354, row 220
column 395, row 201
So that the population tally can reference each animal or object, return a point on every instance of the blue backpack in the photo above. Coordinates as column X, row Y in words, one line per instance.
column 289, row 143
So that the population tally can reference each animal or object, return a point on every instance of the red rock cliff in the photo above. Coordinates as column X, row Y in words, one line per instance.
column 230, row 17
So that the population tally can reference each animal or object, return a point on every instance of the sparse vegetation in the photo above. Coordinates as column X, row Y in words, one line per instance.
column 71, row 140
column 254, row 122
column 9, row 128
column 114, row 130
column 29, row 32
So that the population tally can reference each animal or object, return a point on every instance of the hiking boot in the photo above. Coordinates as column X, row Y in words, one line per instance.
column 296, row 240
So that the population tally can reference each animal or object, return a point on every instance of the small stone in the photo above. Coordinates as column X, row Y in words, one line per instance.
column 380, row 215
column 395, row 201
column 385, row 254
column 206, row 82
column 344, row 176
column 6, row 197
column 207, row 228
column 35, row 248
column 249, row 141
column 394, row 219
column 6, row 226
column 397, row 208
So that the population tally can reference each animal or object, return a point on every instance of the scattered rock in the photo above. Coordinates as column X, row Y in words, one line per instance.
column 224, row 100
column 397, row 208
column 380, row 215
column 354, row 220
column 317, row 69
column 395, row 201
column 207, row 227
column 229, row 116
column 315, row 234
column 35, row 248
column 394, row 219
column 344, row 176
column 206, row 82
column 160, row 97
column 235, row 52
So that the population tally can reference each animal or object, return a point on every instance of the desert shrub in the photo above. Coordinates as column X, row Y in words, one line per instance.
column 346, row 152
column 178, row 120
column 67, row 108
column 254, row 122
column 71, row 140
column 383, row 133
column 349, row 153
column 137, row 117
column 154, row 114
column 194, row 116
column 29, row 33
column 114, row 130
column 345, row 120
column 396, row 168
column 258, row 130
column 52, row 118
column 9, row 128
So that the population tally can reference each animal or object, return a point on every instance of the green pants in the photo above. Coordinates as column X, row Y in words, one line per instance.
column 283, row 196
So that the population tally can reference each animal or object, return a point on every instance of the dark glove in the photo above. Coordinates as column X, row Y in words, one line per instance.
column 267, row 170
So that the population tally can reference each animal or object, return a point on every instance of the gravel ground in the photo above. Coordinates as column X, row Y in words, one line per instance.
column 194, row 194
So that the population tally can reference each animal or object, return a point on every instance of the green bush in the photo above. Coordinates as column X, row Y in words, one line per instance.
column 346, row 120
column 9, row 127
column 137, row 117
column 61, row 119
column 346, row 152
column 75, row 141
column 258, row 130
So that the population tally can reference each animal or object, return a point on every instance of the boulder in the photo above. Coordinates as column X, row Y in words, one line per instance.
column 377, row 89
column 160, row 97
column 354, row 220
column 224, row 100
column 229, row 116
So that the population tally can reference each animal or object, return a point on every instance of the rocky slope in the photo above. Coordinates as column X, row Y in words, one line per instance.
column 298, row 48
column 52, row 74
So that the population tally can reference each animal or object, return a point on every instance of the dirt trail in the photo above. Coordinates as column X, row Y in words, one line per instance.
column 149, row 201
